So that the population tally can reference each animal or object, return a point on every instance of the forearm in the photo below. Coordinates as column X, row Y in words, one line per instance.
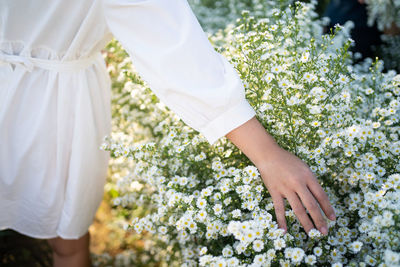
column 254, row 141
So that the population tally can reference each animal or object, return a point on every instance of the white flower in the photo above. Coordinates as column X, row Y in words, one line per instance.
column 232, row 262
column 192, row 227
column 356, row 246
column 259, row 260
column 227, row 251
column 309, row 77
column 271, row 254
column 345, row 96
column 305, row 57
column 369, row 91
column 268, row 78
column 310, row 259
column 162, row 230
column 220, row 263
column 236, row 213
column 293, row 100
column 179, row 149
column 283, row 83
column 206, row 191
column 370, row 260
column 297, row 255
column 391, row 258
column 314, row 233
column 315, row 109
column 252, row 171
column 258, row 245
column 343, row 79
column 200, row 157
column 203, row 250
column 227, row 201
column 201, row 203
column 316, row 123
column 317, row 251
column 217, row 209
column 277, row 69
column 279, row 243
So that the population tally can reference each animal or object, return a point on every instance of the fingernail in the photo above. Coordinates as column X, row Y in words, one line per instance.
column 332, row 217
column 324, row 230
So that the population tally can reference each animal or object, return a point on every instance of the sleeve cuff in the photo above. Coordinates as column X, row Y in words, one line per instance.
column 228, row 121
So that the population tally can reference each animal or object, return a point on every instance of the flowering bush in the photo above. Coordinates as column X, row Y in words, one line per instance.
column 388, row 51
column 218, row 14
column 207, row 205
column 384, row 12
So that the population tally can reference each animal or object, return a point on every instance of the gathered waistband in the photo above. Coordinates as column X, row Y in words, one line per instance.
column 30, row 63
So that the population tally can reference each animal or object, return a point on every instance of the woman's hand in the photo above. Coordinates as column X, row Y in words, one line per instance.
column 285, row 176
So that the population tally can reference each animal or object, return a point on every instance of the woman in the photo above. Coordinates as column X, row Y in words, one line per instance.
column 54, row 111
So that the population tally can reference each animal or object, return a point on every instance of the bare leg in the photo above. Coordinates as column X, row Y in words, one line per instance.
column 71, row 252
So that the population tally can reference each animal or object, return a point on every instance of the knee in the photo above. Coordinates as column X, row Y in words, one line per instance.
column 69, row 247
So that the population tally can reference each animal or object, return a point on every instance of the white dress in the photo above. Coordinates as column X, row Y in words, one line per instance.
column 55, row 99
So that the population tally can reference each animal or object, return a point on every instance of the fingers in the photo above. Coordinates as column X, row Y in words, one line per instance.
column 322, row 198
column 312, row 206
column 299, row 211
column 279, row 210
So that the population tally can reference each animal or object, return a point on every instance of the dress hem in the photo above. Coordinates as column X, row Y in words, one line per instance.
column 40, row 236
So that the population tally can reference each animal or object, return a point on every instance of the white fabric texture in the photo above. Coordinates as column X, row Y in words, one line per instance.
column 55, row 99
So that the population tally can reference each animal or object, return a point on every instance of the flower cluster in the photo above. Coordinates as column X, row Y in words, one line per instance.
column 386, row 13
column 218, row 14
column 206, row 205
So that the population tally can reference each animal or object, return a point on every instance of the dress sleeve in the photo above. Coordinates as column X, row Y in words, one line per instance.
column 172, row 54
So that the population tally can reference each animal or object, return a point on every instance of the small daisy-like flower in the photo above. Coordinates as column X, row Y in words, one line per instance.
column 236, row 213
column 284, row 84
column 279, row 243
column 370, row 260
column 269, row 77
column 217, row 209
column 202, row 215
column 277, row 69
column 258, row 245
column 179, row 149
column 201, row 203
column 293, row 100
column 310, row 260
column 314, row 233
column 227, row 251
column 259, row 259
column 317, row 251
column 343, row 79
column 304, row 58
column 162, row 230
column 369, row 91
column 297, row 255
column 356, row 246
column 316, row 123
column 330, row 83
column 273, row 27
column 233, row 262
column 345, row 96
